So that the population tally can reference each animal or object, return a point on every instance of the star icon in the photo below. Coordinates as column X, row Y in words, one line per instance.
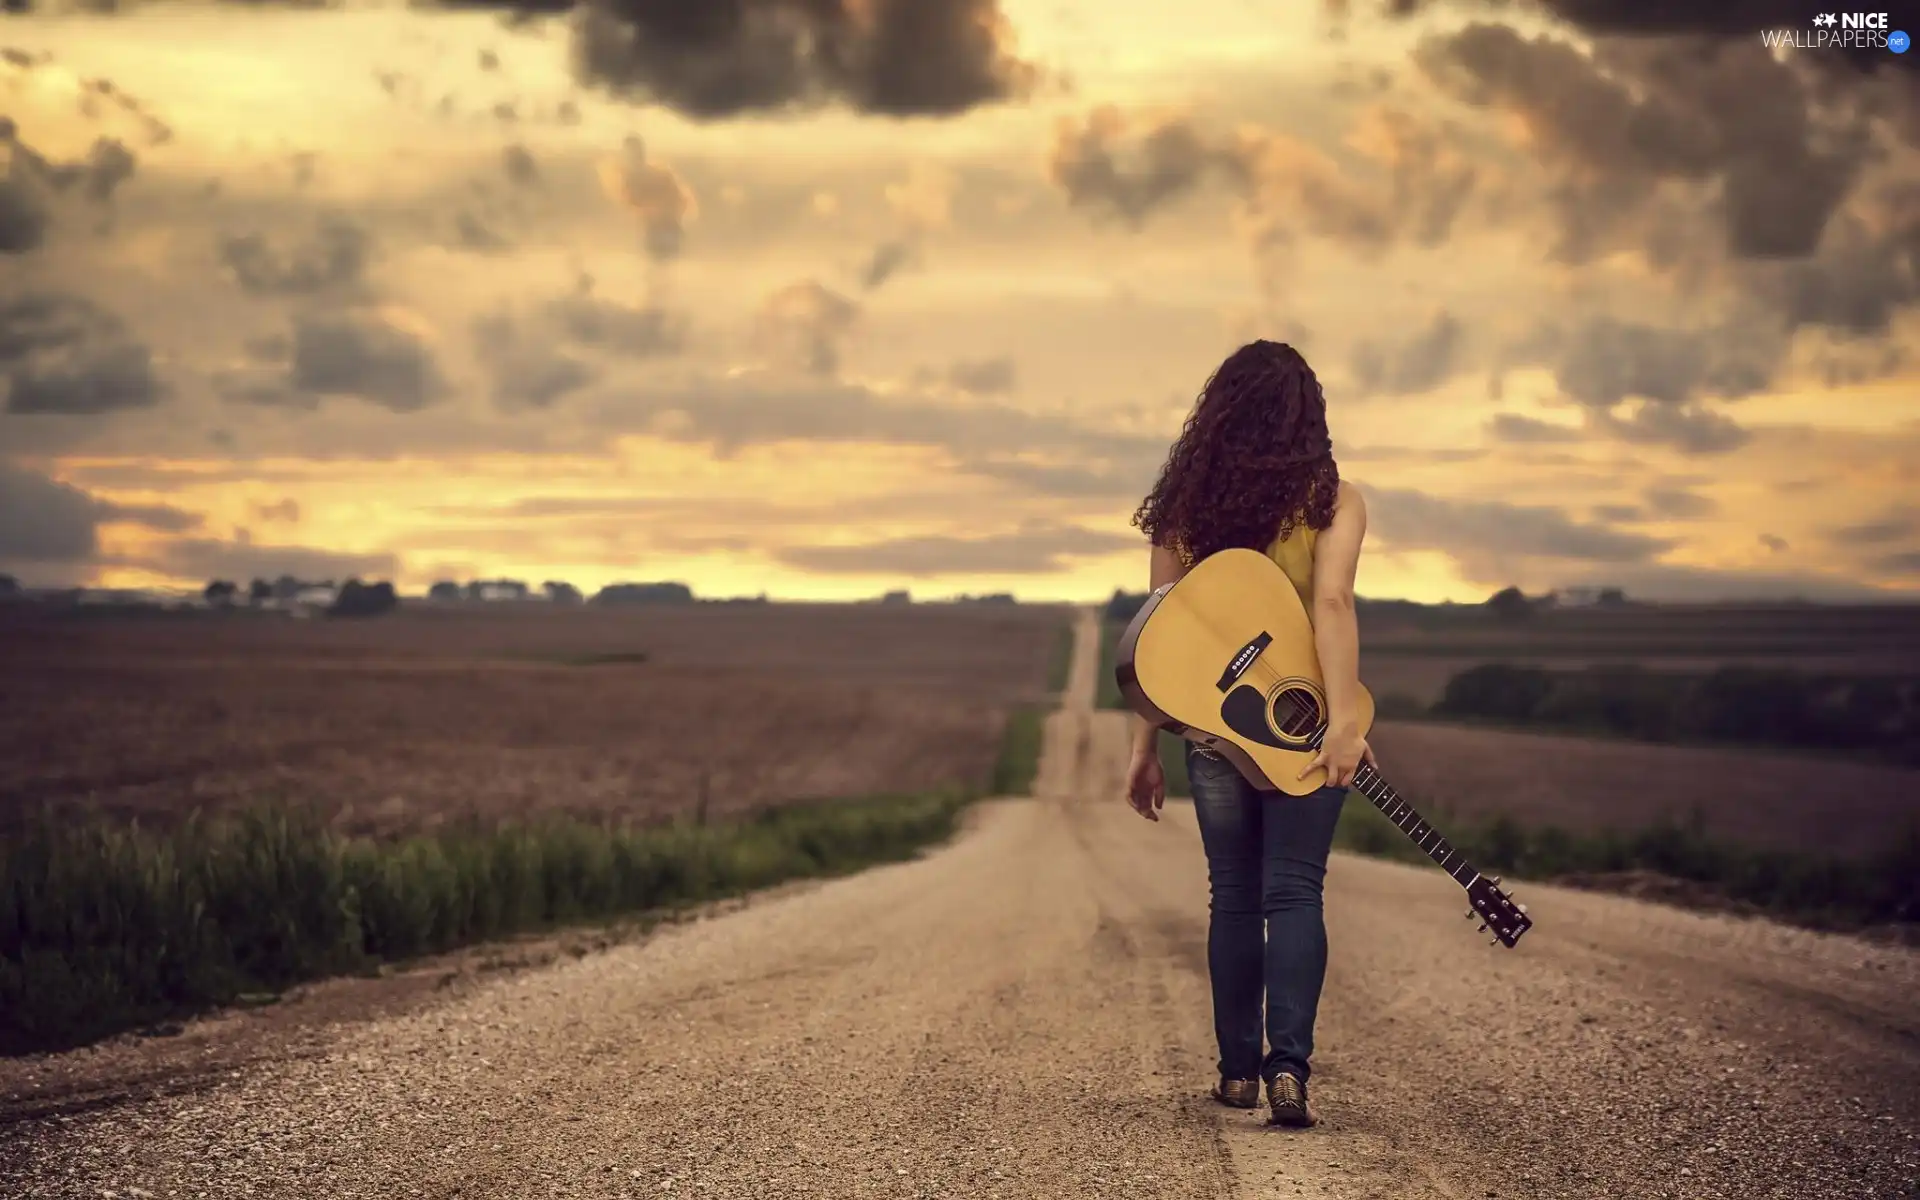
column 1827, row 19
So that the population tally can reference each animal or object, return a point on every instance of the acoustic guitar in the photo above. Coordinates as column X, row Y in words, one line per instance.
column 1224, row 657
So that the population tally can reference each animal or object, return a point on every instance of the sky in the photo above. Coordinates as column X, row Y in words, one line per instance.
column 823, row 298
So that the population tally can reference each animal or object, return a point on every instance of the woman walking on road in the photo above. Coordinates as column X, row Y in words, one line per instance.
column 1254, row 468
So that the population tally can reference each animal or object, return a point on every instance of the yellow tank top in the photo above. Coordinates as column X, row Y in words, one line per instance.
column 1294, row 554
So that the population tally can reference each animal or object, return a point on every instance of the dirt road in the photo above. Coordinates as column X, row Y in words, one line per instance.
column 1024, row 1014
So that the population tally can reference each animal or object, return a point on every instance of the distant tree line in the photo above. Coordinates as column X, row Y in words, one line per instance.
column 354, row 598
column 1878, row 714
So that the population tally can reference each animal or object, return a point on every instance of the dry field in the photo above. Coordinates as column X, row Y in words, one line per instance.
column 1414, row 654
column 1761, row 799
column 402, row 721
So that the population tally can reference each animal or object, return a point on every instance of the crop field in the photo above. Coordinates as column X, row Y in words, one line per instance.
column 1839, row 804
column 398, row 723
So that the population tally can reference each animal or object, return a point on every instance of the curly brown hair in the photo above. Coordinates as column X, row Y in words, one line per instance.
column 1253, row 463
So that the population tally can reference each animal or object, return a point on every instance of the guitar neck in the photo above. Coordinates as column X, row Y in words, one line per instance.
column 1368, row 783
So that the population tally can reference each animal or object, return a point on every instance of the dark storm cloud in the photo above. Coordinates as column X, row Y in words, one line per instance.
column 62, row 354
column 1413, row 520
column 719, row 58
column 1904, row 563
column 342, row 353
column 1418, row 364
column 1037, row 549
column 334, row 257
column 1628, row 116
column 43, row 520
column 206, row 558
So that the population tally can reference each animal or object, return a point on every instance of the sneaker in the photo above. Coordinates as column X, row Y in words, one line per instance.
column 1287, row 1097
column 1237, row 1093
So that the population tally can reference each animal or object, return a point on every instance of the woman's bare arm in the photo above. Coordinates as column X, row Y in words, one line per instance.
column 1164, row 568
column 1336, row 628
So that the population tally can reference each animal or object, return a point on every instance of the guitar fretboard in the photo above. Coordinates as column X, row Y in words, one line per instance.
column 1368, row 783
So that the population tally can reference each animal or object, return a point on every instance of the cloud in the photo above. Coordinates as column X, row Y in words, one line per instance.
column 1679, row 503
column 901, row 58
column 1647, row 384
column 983, row 376
column 1111, row 168
column 1897, row 525
column 805, row 325
column 43, row 520
column 1526, row 431
column 1419, row 364
column 332, row 258
column 62, row 354
column 1493, row 540
column 517, row 162
column 32, row 184
column 1774, row 542
column 353, row 353
column 528, row 371
column 242, row 559
column 285, row 509
column 920, row 204
column 1033, row 550
column 1395, row 180
column 888, row 259
column 1619, row 120
column 533, row 356
column 631, row 331
column 654, row 193
column 1701, row 585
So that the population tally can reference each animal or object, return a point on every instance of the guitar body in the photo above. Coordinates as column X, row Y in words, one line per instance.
column 1225, row 657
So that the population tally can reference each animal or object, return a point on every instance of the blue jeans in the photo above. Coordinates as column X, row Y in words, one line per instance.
column 1266, row 864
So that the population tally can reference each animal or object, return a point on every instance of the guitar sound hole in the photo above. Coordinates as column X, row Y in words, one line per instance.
column 1296, row 712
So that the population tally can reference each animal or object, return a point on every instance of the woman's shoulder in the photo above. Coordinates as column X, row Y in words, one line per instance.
column 1349, row 495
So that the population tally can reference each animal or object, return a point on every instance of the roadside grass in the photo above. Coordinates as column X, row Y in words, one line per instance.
column 107, row 926
column 1106, row 688
column 1806, row 889
column 1060, row 666
column 1019, row 759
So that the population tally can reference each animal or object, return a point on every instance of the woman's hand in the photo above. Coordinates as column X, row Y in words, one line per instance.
column 1340, row 755
column 1146, row 784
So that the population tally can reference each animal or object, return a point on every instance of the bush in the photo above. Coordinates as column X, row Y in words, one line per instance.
column 1742, row 705
column 1496, row 692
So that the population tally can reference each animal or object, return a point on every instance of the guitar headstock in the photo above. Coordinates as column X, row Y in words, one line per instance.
column 1498, row 913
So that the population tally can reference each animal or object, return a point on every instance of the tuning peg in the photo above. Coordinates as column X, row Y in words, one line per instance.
column 1522, row 908
column 1494, row 942
column 1482, row 929
column 1468, row 914
column 1496, row 881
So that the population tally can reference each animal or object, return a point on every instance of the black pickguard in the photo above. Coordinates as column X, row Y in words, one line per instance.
column 1244, row 709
